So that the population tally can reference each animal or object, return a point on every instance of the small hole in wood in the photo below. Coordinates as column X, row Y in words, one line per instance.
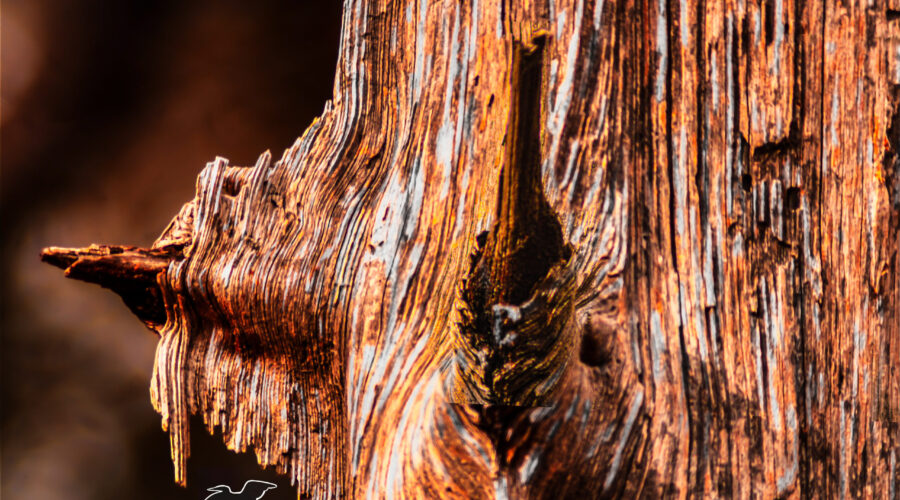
column 597, row 341
column 481, row 239
column 594, row 352
column 792, row 198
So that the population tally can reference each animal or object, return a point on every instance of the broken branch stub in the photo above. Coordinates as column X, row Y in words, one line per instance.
column 131, row 272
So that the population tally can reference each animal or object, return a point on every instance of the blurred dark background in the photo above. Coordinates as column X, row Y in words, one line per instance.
column 109, row 111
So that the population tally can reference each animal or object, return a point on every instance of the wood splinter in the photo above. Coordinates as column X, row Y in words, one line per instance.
column 131, row 272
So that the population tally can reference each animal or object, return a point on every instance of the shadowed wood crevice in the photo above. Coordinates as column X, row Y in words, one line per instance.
column 891, row 162
column 517, row 296
column 526, row 238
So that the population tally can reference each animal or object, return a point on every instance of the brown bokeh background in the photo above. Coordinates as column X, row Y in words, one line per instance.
column 109, row 110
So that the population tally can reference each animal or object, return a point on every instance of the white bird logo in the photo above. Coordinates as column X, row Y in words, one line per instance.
column 252, row 490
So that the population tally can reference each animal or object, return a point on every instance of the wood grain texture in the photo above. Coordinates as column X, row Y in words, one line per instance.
column 715, row 314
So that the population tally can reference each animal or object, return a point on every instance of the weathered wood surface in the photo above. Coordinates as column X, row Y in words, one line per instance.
column 725, row 179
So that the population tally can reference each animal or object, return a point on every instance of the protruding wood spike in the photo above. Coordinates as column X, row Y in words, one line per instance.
column 131, row 272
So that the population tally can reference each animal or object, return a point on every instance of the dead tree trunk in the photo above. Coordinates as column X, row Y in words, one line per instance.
column 561, row 249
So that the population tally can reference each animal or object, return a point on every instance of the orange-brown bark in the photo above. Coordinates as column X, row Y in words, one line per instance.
column 707, row 303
